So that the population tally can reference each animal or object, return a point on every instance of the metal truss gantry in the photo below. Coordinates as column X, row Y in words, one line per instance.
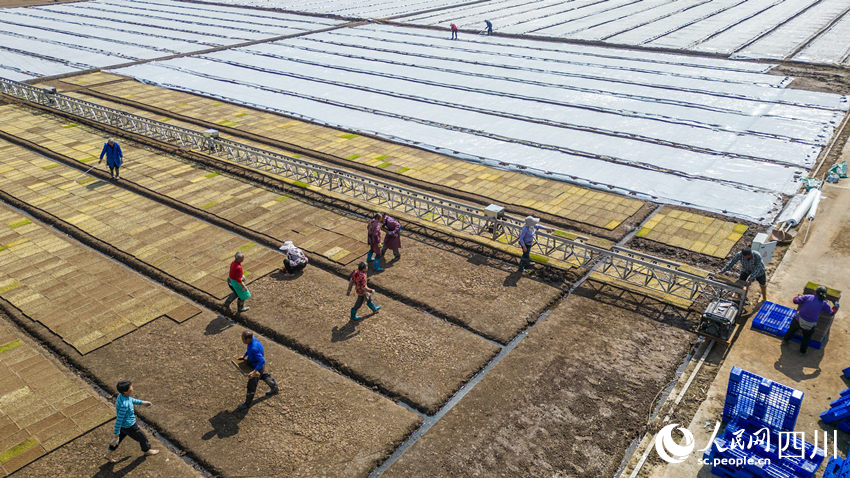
column 624, row 266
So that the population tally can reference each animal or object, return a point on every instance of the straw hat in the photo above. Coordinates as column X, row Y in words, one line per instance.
column 531, row 221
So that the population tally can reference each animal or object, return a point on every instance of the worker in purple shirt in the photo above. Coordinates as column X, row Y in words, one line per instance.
column 809, row 309
column 527, row 238
column 392, row 238
column 256, row 358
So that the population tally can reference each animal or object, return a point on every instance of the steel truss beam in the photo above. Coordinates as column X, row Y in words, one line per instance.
column 622, row 265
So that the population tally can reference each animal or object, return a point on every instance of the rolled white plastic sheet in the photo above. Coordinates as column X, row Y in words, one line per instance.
column 803, row 208
column 814, row 209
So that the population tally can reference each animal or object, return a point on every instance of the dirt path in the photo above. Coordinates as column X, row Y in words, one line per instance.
column 566, row 402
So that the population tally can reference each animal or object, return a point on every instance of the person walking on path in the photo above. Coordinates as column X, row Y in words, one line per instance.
column 236, row 282
column 527, row 238
column 809, row 309
column 256, row 357
column 373, row 238
column 125, row 421
column 392, row 238
column 295, row 260
column 358, row 280
column 752, row 269
column 489, row 27
column 114, row 157
column 454, row 31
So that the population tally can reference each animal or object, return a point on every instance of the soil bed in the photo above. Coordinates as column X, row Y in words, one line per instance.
column 408, row 353
column 485, row 294
column 320, row 424
column 567, row 401
column 84, row 457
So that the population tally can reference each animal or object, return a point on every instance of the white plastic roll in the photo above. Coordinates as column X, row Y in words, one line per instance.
column 803, row 208
column 814, row 209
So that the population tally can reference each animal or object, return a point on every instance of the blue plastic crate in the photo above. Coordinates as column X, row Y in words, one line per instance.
column 795, row 466
column 841, row 400
column 837, row 468
column 773, row 319
column 837, row 413
column 752, row 397
column 846, row 372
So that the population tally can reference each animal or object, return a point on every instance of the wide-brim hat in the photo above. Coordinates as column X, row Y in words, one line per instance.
column 531, row 221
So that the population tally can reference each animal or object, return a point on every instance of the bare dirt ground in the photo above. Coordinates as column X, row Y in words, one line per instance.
column 460, row 283
column 566, row 402
column 84, row 457
column 320, row 424
column 411, row 354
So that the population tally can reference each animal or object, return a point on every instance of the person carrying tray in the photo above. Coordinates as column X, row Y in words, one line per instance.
column 256, row 358
column 809, row 309
column 236, row 282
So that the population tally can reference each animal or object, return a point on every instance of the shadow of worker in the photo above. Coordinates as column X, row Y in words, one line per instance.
column 347, row 331
column 218, row 325
column 794, row 365
column 225, row 424
column 111, row 469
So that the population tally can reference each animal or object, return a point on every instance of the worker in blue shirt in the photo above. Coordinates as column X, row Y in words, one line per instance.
column 256, row 358
column 527, row 238
column 114, row 157
column 125, row 421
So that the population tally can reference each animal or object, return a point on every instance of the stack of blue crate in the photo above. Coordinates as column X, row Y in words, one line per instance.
column 837, row 468
column 839, row 409
column 759, row 415
column 774, row 319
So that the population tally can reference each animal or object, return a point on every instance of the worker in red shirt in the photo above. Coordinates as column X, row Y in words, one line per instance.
column 454, row 31
column 364, row 293
column 236, row 282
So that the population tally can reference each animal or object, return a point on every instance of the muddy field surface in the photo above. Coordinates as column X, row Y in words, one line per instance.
column 84, row 457
column 406, row 352
column 566, row 402
column 321, row 423
column 482, row 293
